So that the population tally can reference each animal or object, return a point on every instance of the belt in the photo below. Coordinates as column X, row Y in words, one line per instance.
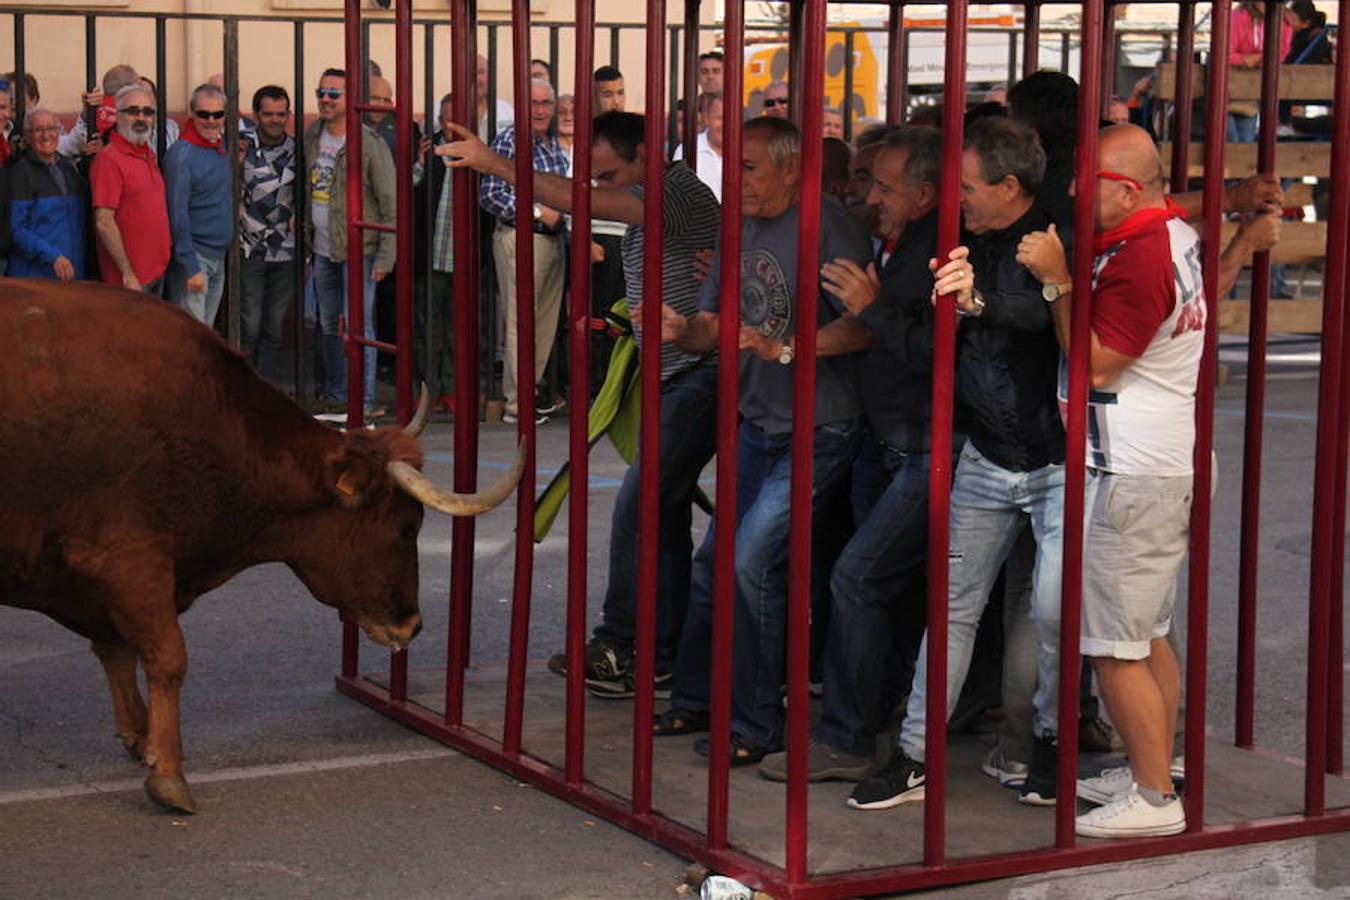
column 539, row 227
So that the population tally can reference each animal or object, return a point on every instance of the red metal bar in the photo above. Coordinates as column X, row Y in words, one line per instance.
column 728, row 400
column 579, row 347
column 464, row 107
column 940, row 453
column 812, row 107
column 1197, row 615
column 691, row 92
column 376, row 226
column 1185, row 97
column 897, row 77
column 1336, row 616
column 1095, row 33
column 1108, row 68
column 1031, row 37
column 649, row 438
column 404, row 211
column 1326, row 546
column 524, row 567
column 1254, row 425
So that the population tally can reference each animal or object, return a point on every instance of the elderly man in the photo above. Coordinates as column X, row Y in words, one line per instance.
column 777, row 99
column 498, row 197
column 201, row 210
column 267, row 229
column 770, row 188
column 47, row 203
column 688, row 383
column 1147, row 336
column 710, row 72
column 889, row 547
column 708, row 159
column 325, row 144
column 1011, row 470
column 832, row 123
column 99, row 100
column 131, row 217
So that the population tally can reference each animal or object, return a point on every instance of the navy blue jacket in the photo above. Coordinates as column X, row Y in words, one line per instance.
column 44, row 221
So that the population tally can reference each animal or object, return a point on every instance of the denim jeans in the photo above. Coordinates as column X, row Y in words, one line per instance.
column 330, row 295
column 989, row 507
column 888, row 548
column 203, row 305
column 266, row 290
column 764, row 514
column 1241, row 129
column 688, row 441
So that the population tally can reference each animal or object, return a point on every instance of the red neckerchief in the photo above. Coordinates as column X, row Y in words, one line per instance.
column 141, row 150
column 105, row 116
column 1137, row 222
column 193, row 136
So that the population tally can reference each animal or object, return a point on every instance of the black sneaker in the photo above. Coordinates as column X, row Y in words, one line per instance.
column 624, row 686
column 899, row 781
column 1039, row 788
column 603, row 660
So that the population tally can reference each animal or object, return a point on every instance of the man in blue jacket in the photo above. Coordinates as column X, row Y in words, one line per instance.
column 197, row 183
column 48, row 207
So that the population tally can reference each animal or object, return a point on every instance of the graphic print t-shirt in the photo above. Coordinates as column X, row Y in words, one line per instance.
column 321, row 189
column 768, row 304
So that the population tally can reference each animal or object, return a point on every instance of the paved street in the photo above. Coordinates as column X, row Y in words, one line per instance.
column 304, row 793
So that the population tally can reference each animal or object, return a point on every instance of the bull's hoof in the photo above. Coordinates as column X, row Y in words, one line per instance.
column 134, row 744
column 171, row 793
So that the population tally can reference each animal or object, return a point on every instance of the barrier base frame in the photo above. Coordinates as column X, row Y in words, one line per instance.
column 692, row 844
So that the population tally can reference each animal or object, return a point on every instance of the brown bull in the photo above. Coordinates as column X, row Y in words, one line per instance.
column 143, row 462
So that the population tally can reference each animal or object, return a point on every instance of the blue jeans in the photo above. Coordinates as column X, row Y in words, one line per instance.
column 887, row 550
column 688, row 441
column 330, row 295
column 990, row 506
column 763, row 517
column 1241, row 129
column 203, row 305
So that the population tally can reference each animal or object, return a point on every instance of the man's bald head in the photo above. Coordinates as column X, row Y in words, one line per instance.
column 1129, row 150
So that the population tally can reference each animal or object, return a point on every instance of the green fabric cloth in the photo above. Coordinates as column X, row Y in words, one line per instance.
column 616, row 414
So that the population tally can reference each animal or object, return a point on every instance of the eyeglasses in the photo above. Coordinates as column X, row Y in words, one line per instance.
column 330, row 93
column 140, row 112
column 1123, row 179
column 542, row 103
column 209, row 113
column 770, row 102
column 46, row 129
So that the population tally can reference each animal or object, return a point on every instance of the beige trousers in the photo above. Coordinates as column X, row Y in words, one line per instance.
column 548, row 292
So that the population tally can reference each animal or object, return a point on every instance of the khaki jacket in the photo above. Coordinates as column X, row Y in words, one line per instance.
column 378, row 183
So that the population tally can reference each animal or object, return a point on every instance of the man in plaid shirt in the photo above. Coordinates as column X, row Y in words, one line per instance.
column 499, row 198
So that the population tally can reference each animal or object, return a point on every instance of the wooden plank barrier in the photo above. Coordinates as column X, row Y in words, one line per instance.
column 1296, row 83
column 1292, row 159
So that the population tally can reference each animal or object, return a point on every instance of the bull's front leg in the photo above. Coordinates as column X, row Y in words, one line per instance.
column 165, row 664
column 119, row 665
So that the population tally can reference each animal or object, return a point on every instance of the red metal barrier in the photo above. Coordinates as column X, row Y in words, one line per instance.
column 637, row 812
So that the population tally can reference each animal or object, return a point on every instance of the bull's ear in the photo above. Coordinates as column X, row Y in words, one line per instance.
column 351, row 475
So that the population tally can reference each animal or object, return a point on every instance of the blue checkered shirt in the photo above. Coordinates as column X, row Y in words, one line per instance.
column 498, row 197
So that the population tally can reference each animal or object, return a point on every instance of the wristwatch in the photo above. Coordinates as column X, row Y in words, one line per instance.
column 976, row 298
column 538, row 211
column 785, row 354
column 1052, row 291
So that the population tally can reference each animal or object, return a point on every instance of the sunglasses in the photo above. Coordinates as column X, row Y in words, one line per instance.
column 772, row 101
column 209, row 113
column 142, row 112
column 330, row 93
column 1123, row 179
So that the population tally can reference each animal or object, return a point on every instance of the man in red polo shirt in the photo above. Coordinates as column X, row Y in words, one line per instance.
column 127, row 192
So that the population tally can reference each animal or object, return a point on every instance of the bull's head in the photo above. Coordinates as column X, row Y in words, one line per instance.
column 361, row 553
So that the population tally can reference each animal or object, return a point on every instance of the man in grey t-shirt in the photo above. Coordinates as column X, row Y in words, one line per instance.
column 770, row 177
column 688, row 381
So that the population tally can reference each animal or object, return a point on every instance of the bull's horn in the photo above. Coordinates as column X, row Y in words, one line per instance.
column 418, row 422
column 420, row 487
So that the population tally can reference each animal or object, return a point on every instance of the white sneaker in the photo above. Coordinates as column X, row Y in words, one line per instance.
column 1009, row 772
column 1130, row 815
column 1107, row 786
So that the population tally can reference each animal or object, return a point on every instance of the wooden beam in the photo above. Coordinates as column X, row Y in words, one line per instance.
column 1296, row 83
column 1292, row 160
column 1285, row 316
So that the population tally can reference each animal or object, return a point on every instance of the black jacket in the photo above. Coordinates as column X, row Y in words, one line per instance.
column 1008, row 358
column 895, row 384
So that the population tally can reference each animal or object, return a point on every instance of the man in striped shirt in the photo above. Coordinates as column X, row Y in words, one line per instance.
column 688, row 381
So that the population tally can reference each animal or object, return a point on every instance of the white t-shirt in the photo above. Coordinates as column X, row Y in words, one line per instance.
column 321, row 188
column 709, row 163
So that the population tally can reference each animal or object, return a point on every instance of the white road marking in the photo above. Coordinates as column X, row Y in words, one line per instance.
column 242, row 773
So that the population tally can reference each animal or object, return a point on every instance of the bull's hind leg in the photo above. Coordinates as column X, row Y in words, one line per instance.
column 119, row 664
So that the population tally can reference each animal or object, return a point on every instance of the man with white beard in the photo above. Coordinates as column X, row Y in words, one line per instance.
column 127, row 192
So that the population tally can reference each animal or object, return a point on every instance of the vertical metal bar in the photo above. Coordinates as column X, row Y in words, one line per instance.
column 21, row 87
column 1336, row 615
column 301, row 207
column 614, row 47
column 91, row 73
column 1031, row 37
column 649, row 439
column 673, row 80
column 1109, row 58
column 231, row 49
column 691, row 92
column 464, row 108
column 430, row 200
column 728, row 400
column 1254, row 424
column 1197, row 614
column 796, row 42
column 1075, row 441
column 491, row 90
column 579, row 338
column 1325, row 544
column 553, row 41
column 525, row 287
column 1064, row 51
column 940, row 455
column 897, row 74
column 1012, row 57
column 846, row 104
column 1185, row 97
column 161, row 68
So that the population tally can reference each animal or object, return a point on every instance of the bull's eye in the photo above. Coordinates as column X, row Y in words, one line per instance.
column 408, row 532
